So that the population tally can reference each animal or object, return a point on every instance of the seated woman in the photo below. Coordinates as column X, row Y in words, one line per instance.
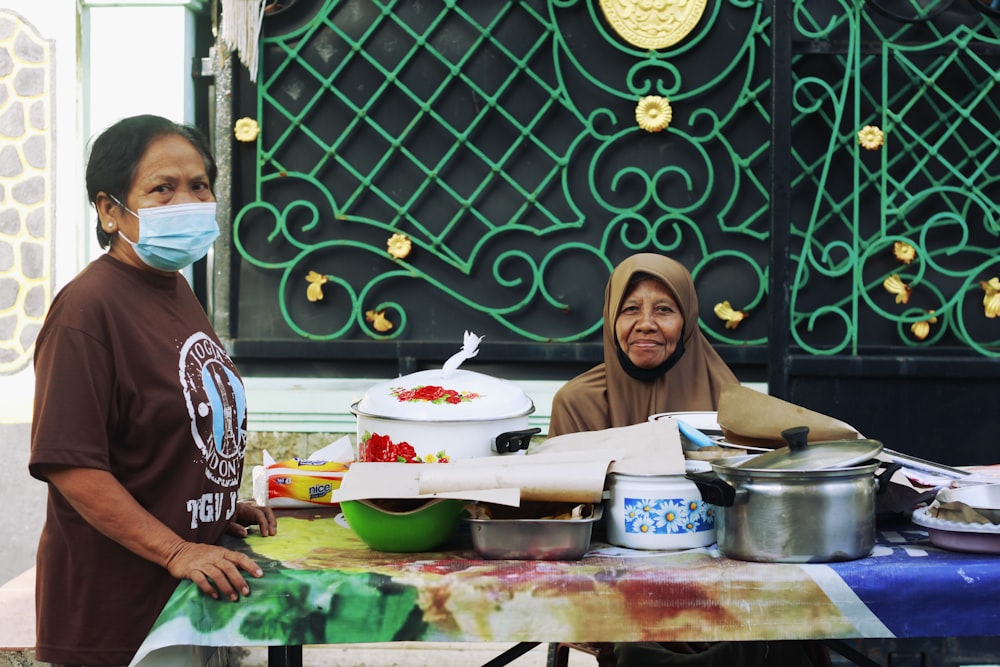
column 656, row 359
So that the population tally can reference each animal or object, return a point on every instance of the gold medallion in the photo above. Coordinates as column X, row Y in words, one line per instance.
column 653, row 24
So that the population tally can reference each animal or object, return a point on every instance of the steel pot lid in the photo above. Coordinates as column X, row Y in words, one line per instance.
column 801, row 455
column 444, row 395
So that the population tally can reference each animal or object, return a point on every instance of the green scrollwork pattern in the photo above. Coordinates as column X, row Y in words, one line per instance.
column 500, row 138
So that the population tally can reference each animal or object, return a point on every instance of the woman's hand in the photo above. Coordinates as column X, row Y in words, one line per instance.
column 106, row 505
column 215, row 570
column 249, row 513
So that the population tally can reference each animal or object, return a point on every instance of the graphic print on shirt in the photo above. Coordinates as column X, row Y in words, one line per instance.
column 216, row 403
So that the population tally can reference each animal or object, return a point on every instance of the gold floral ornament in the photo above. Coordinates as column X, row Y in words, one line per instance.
column 991, row 300
column 399, row 246
column 315, row 290
column 895, row 285
column 871, row 137
column 922, row 328
column 653, row 24
column 732, row 317
column 379, row 321
column 653, row 113
column 246, row 130
column 904, row 252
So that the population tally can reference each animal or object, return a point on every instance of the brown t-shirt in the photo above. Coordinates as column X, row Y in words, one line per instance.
column 130, row 378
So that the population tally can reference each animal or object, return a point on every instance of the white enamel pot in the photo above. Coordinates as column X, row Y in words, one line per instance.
column 451, row 414
column 659, row 512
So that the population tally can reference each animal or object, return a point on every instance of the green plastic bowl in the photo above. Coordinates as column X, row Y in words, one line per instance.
column 420, row 529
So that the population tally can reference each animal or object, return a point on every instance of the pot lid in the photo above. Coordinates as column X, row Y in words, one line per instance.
column 446, row 394
column 802, row 455
column 437, row 395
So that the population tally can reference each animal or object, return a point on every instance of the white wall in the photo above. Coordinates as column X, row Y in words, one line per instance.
column 136, row 58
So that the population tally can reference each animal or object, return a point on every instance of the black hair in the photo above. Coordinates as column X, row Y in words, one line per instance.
column 115, row 154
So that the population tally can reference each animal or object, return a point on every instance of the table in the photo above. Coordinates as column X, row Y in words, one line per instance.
column 323, row 586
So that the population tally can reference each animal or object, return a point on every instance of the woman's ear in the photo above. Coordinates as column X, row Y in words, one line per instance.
column 107, row 211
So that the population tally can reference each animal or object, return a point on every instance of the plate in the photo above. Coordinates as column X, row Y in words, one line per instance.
column 706, row 422
column 983, row 498
column 958, row 536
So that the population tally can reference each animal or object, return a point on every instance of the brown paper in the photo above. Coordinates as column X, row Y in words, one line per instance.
column 366, row 481
column 649, row 448
column 554, row 478
column 576, row 477
column 568, row 468
column 956, row 511
column 750, row 417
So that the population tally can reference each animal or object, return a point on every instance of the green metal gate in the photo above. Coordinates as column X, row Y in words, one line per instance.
column 829, row 174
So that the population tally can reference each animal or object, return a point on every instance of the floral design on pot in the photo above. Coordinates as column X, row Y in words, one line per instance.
column 433, row 394
column 375, row 448
column 668, row 516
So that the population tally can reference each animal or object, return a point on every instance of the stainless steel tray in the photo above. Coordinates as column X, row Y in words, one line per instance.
column 533, row 539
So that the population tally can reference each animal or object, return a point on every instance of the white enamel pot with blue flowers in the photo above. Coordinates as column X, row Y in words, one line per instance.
column 658, row 512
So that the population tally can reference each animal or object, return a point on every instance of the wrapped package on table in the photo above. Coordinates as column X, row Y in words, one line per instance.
column 303, row 482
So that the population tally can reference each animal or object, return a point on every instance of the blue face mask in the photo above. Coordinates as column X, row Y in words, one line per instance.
column 174, row 237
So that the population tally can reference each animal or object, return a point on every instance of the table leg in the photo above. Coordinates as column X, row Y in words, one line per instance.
column 856, row 657
column 511, row 654
column 284, row 656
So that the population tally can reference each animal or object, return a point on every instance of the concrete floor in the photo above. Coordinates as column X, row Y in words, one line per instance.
column 23, row 501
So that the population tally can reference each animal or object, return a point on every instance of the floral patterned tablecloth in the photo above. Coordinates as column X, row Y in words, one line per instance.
column 322, row 585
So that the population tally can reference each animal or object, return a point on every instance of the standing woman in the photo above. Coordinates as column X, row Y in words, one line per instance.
column 140, row 421
column 655, row 357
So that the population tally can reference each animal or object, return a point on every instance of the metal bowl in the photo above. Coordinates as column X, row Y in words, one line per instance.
column 533, row 539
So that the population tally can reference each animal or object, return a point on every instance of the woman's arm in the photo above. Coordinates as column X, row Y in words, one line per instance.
column 107, row 506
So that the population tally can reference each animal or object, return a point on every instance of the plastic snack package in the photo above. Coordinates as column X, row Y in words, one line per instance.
column 302, row 482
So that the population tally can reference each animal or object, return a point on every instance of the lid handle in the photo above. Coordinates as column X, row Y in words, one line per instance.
column 470, row 348
column 797, row 437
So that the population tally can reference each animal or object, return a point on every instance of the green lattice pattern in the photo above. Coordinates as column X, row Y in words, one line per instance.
column 505, row 148
column 932, row 185
column 531, row 94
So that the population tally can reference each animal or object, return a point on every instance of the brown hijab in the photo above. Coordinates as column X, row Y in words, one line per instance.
column 606, row 396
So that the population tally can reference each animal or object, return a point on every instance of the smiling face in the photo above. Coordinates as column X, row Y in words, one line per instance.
column 649, row 323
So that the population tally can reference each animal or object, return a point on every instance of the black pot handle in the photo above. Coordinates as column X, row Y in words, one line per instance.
column 714, row 490
column 889, row 469
column 513, row 441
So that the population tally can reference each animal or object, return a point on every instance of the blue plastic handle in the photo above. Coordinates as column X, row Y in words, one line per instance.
column 694, row 435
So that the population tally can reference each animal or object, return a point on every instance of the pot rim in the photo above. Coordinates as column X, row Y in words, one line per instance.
column 690, row 466
column 792, row 474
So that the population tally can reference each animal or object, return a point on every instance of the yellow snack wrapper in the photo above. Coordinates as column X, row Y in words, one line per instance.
column 303, row 481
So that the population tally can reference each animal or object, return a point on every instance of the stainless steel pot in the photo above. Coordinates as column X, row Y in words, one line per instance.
column 804, row 503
